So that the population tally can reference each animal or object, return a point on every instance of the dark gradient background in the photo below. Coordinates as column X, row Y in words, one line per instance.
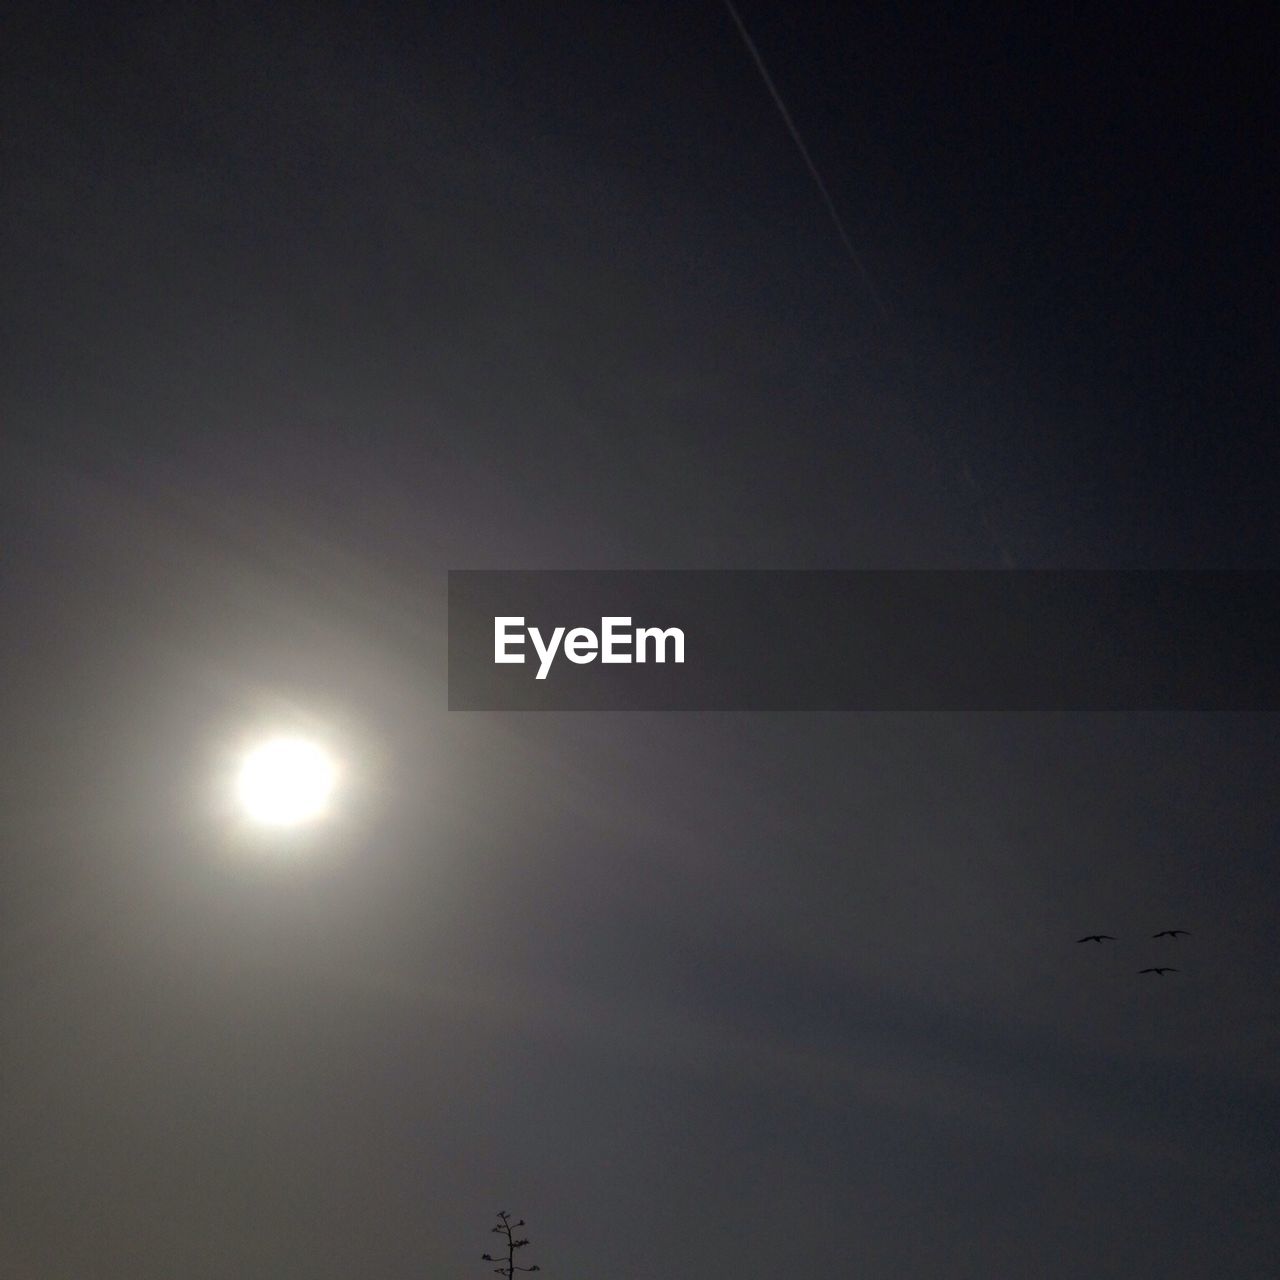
column 305, row 305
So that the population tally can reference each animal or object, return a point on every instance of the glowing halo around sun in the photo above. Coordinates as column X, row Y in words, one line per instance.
column 285, row 782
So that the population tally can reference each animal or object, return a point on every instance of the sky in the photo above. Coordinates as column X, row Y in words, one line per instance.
column 306, row 305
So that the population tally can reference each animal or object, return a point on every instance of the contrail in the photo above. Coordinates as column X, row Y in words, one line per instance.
column 948, row 456
column 808, row 159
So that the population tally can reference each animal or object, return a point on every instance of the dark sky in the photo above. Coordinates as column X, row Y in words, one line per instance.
column 307, row 304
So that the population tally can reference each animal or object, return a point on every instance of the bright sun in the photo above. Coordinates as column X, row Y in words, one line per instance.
column 285, row 782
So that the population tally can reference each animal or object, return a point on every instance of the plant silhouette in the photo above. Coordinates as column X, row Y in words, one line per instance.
column 505, row 1227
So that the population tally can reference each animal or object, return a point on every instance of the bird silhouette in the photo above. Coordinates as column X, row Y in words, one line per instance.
column 1160, row 970
column 1097, row 937
column 1171, row 933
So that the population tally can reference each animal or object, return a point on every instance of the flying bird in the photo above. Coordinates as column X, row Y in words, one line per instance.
column 1160, row 971
column 1171, row 933
column 1097, row 937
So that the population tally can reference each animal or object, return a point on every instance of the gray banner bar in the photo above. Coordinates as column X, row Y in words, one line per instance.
column 888, row 640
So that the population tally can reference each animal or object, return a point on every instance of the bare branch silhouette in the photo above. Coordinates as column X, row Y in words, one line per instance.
column 505, row 1227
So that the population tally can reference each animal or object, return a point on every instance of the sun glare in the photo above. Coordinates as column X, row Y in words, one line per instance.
column 285, row 782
